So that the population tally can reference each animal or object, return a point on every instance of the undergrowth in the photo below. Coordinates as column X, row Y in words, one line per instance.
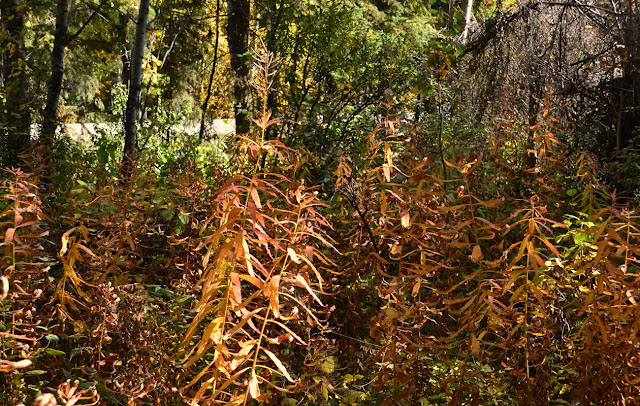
column 500, row 275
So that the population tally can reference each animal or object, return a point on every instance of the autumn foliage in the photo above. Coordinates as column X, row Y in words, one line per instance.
column 512, row 279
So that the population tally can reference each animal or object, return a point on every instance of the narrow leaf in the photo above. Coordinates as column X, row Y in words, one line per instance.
column 279, row 364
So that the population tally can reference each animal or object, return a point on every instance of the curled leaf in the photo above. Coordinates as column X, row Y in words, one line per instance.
column 10, row 366
column 65, row 241
column 292, row 254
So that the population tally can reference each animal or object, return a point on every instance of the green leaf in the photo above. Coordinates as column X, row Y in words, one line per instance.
column 538, row 279
column 572, row 192
column 53, row 352
column 184, row 298
column 328, row 365
column 35, row 372
column 183, row 219
column 52, row 338
column 580, row 237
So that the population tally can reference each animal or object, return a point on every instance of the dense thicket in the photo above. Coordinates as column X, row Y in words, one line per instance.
column 424, row 203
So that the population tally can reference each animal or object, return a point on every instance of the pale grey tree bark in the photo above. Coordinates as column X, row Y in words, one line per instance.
column 135, row 84
column 467, row 21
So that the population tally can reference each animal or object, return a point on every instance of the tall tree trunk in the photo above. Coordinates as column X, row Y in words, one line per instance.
column 238, row 37
column 628, row 119
column 50, row 114
column 135, row 85
column 17, row 131
column 213, row 73
column 467, row 21
column 121, row 28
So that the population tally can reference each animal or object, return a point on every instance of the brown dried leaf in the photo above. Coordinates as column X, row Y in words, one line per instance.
column 273, row 291
column 4, row 287
column 476, row 255
column 406, row 219
column 8, row 237
column 475, row 345
column 256, row 198
column 236, row 286
column 254, row 389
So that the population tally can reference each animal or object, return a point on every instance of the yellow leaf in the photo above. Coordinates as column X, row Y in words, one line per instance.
column 252, row 280
column 328, row 365
column 240, row 357
column 388, row 156
column 416, row 288
column 247, row 255
column 237, row 401
column 392, row 313
column 79, row 326
column 383, row 203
